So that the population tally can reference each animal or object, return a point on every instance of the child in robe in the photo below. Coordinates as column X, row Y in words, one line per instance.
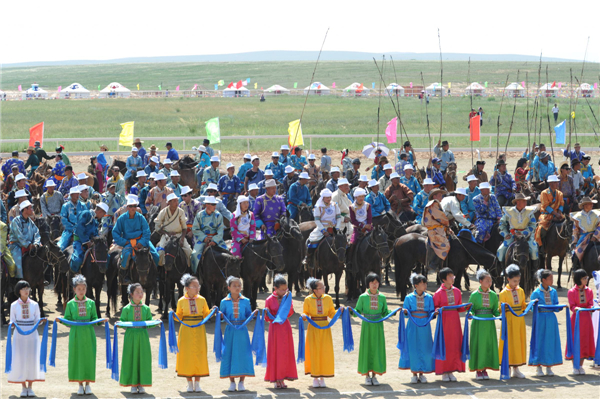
column 514, row 296
column 25, row 313
column 281, row 365
column 582, row 297
column 243, row 226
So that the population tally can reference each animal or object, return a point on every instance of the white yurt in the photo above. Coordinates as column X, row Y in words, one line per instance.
column 514, row 90
column 436, row 89
column 317, row 88
column 275, row 90
column 585, row 90
column 356, row 90
column 2, row 96
column 233, row 92
column 475, row 89
column 115, row 90
column 394, row 89
column 548, row 91
column 74, row 90
column 34, row 93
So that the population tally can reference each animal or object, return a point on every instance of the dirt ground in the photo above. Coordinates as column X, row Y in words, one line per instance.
column 347, row 383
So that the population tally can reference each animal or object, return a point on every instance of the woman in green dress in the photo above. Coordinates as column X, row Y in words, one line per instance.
column 136, row 369
column 371, row 356
column 484, row 341
column 82, row 339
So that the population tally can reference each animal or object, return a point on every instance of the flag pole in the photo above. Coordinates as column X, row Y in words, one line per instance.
column 379, row 105
column 548, row 116
column 512, row 119
column 498, row 122
column 471, row 98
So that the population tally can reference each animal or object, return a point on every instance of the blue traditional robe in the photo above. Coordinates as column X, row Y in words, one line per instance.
column 419, row 203
column 278, row 170
column 221, row 208
column 133, row 164
column 68, row 216
column 236, row 359
column 142, row 155
column 167, row 173
column 58, row 171
column 149, row 169
column 434, row 174
column 206, row 225
column 284, row 159
column 418, row 358
column 287, row 183
column 243, row 169
column 173, row 155
column 176, row 189
column 142, row 196
column 298, row 195
column 211, row 175
column 23, row 233
column 228, row 186
column 7, row 167
column 87, row 228
column 268, row 211
column 67, row 184
column 298, row 162
column 504, row 185
column 487, row 215
column 547, row 349
column 469, row 209
column 411, row 183
column 379, row 204
column 127, row 229
column 332, row 185
column 136, row 189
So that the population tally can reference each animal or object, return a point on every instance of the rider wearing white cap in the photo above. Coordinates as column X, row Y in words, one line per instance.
column 141, row 183
column 51, row 201
column 290, row 178
column 385, row 181
column 451, row 205
column 262, row 184
column 379, row 203
column 400, row 197
column 211, row 174
column 254, row 175
column 134, row 163
column 167, row 169
column 333, row 182
column 409, row 179
column 88, row 229
column 152, row 166
column 208, row 230
column 245, row 167
column 174, row 185
column 212, row 192
column 157, row 197
column 68, row 217
column 24, row 236
column 277, row 167
column 283, row 158
column 229, row 184
column 172, row 221
column 327, row 217
column 342, row 198
column 473, row 191
column 487, row 211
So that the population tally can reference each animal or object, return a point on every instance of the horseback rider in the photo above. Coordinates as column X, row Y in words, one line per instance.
column 362, row 182
column 152, row 166
column 342, row 198
column 268, row 209
column 131, row 233
column 503, row 183
column 299, row 195
column 117, row 180
column 551, row 207
column 133, row 163
column 137, row 188
column 190, row 207
column 166, row 170
column 208, row 231
column 211, row 174
column 211, row 191
column 14, row 161
column 353, row 175
column 157, row 197
column 290, row 178
column 451, row 205
column 261, row 184
column 487, row 212
column 20, row 184
column 229, row 184
column 314, row 172
column 478, row 172
column 400, row 197
column 542, row 166
column 24, row 236
column 333, row 182
column 68, row 216
column 377, row 200
column 386, row 180
column 518, row 221
column 174, row 185
column 243, row 227
column 433, row 172
column 283, row 157
column 171, row 221
column 567, row 187
column 82, row 180
column 277, row 167
column 467, row 206
column 84, row 195
column 409, row 179
column 15, row 211
column 88, row 224
column 114, row 201
column 421, row 199
column 436, row 221
column 586, row 229
column 361, row 217
column 327, row 217
column 5, row 254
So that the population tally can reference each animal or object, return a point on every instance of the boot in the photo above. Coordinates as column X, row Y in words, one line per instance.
column 575, row 262
column 434, row 261
column 309, row 261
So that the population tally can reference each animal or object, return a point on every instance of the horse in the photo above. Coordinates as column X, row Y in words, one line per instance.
column 257, row 257
column 34, row 263
column 304, row 214
column 330, row 256
column 61, row 268
column 94, row 267
column 518, row 253
column 290, row 237
column 591, row 259
column 557, row 243
column 394, row 229
column 56, row 227
column 217, row 265
column 368, row 255
column 7, row 290
column 315, row 191
column 185, row 166
column 411, row 250
column 176, row 265
column 449, row 176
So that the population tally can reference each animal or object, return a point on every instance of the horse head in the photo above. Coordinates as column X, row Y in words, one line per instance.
column 233, row 265
column 378, row 239
column 275, row 252
column 288, row 227
column 56, row 226
column 100, row 251
column 55, row 257
column 44, row 228
column 143, row 264
column 339, row 245
column 171, row 252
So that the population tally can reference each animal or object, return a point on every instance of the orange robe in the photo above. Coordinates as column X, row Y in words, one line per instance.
column 548, row 200
column 436, row 231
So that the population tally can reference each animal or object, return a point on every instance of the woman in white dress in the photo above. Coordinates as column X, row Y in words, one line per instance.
column 25, row 367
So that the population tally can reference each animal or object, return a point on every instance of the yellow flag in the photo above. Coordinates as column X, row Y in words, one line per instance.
column 255, row 85
column 449, row 85
column 573, row 114
column 295, row 132
column 126, row 137
column 138, row 86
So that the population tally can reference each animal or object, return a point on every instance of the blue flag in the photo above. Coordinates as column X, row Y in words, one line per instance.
column 373, row 84
column 560, row 131
column 217, row 87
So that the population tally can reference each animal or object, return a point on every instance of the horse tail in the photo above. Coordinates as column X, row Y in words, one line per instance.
column 112, row 287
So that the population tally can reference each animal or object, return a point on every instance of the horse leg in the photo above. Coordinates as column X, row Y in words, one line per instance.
column 148, row 290
column 161, row 290
column 41, row 302
column 326, row 281
column 560, row 263
column 98, row 293
column 165, row 296
column 338, row 277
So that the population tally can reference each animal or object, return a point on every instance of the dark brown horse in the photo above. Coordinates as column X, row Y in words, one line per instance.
column 291, row 240
column 557, row 243
column 213, row 271
column 518, row 254
column 94, row 268
column 176, row 265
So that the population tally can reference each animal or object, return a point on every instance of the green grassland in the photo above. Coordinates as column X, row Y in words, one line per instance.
column 246, row 117
column 150, row 75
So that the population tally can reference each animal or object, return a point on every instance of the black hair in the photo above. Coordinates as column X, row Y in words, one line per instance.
column 312, row 283
column 373, row 277
column 482, row 274
column 324, row 150
column 297, row 149
column 512, row 271
column 278, row 281
column 187, row 279
column 578, row 275
column 59, row 156
column 522, row 162
column 231, row 279
column 445, row 272
column 132, row 287
column 403, row 155
column 541, row 145
column 543, row 274
column 69, row 167
column 207, row 141
column 20, row 285
column 417, row 278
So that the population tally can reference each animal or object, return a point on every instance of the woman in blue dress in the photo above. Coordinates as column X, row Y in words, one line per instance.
column 547, row 350
column 236, row 361
column 419, row 341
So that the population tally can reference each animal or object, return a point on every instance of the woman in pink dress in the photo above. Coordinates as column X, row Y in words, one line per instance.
column 243, row 226
column 582, row 297
column 99, row 173
column 281, row 365
column 448, row 295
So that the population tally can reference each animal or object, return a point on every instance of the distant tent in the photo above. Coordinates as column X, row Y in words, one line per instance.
column 585, row 90
column 34, row 93
column 2, row 96
column 514, row 90
column 548, row 91
column 436, row 89
column 356, row 90
column 75, row 90
column 394, row 89
column 233, row 92
column 317, row 88
column 475, row 89
column 114, row 90
column 276, row 89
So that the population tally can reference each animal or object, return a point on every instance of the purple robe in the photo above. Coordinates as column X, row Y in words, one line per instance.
column 267, row 211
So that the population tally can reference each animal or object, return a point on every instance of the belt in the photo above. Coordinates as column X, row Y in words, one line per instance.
column 483, row 311
column 435, row 227
column 419, row 314
column 58, row 177
column 319, row 318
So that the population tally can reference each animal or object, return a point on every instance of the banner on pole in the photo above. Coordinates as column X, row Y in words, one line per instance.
column 295, row 134
column 36, row 133
column 126, row 136
column 391, row 130
column 474, row 127
column 213, row 130
column 560, row 130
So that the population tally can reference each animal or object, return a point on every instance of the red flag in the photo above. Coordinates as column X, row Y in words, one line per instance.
column 474, row 127
column 553, row 84
column 359, row 89
column 239, row 85
column 230, row 85
column 36, row 133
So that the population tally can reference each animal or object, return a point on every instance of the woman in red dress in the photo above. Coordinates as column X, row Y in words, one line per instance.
column 582, row 297
column 281, row 364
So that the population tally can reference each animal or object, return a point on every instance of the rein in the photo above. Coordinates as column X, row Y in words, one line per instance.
column 248, row 246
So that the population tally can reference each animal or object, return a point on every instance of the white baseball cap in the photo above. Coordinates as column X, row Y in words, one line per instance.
column 81, row 176
column 471, row 178
column 303, row 175
column 202, row 148
column 252, row 187
column 312, row 156
column 74, row 190
column 160, row 176
column 268, row 172
column 342, row 181
column 335, row 169
column 167, row 161
column 215, row 159
column 247, row 156
column 154, row 159
column 102, row 206
column 175, row 174
column 172, row 196
column 461, row 190
column 394, row 176
column 408, row 167
column 230, row 165
column 21, row 193
column 275, row 155
column 24, row 205
column 289, row 169
column 141, row 173
column 212, row 186
column 359, row 191
column 20, row 176
column 387, row 166
column 210, row 200
column 363, row 178
column 185, row 190
column 485, row 185
column 428, row 181
column 50, row 183
column 551, row 179
column 373, row 183
column 134, row 149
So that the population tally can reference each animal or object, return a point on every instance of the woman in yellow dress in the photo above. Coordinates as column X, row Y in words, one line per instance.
column 514, row 296
column 192, row 358
column 319, row 361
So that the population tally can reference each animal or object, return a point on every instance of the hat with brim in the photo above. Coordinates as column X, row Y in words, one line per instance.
column 74, row 190
column 275, row 155
column 210, row 201
column 186, row 190
column 167, row 162
column 103, row 147
column 141, row 173
column 387, row 166
column 268, row 172
column 428, row 181
column 575, row 162
column 500, row 162
column 435, row 160
column 19, row 177
column 485, row 186
column 174, row 174
column 270, row 183
column 565, row 164
column 335, row 169
column 460, row 191
column 212, row 186
column 154, row 159
column 373, row 183
column 471, row 178
column 312, row 157
column 520, row 197
column 81, row 176
column 342, row 182
column 303, row 175
column 215, row 159
column 587, row 200
column 230, row 165
column 138, row 141
column 436, row 191
column 50, row 183
column 289, row 169
column 152, row 147
column 21, row 193
column 553, row 179
column 252, row 187
column 82, row 187
column 360, row 192
column 543, row 155
column 102, row 206
column 24, row 205
column 30, row 148
column 363, row 178
column 132, row 200
column 134, row 149
column 172, row 196
column 160, row 176
column 254, row 158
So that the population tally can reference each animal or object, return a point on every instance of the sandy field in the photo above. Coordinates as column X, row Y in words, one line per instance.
column 347, row 383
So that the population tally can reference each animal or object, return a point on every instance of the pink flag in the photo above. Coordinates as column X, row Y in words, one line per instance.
column 59, row 88
column 19, row 87
column 390, row 131
column 177, row 88
column 559, row 84
column 195, row 86
column 333, row 85
column 596, row 86
column 411, row 85
column 523, row 83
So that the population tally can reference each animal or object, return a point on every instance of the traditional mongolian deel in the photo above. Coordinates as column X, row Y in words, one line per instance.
column 319, row 360
column 484, row 341
column 237, row 359
column 372, row 356
column 82, row 340
column 192, row 359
